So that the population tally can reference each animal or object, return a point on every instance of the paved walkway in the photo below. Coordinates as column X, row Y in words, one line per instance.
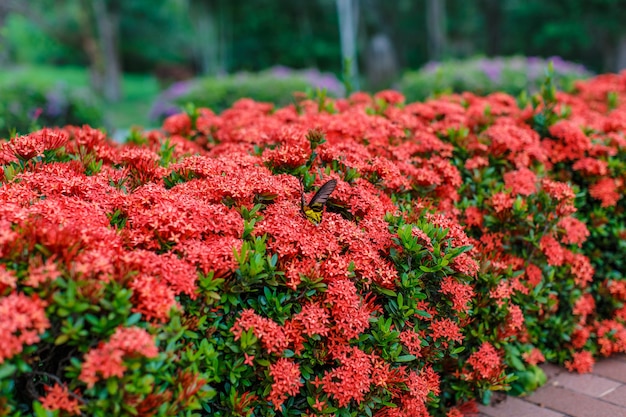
column 601, row 393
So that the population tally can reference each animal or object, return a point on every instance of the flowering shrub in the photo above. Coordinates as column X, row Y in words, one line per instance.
column 482, row 76
column 463, row 245
column 586, row 146
column 275, row 85
column 25, row 104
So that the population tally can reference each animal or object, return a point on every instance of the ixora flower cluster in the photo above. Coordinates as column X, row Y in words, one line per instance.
column 467, row 240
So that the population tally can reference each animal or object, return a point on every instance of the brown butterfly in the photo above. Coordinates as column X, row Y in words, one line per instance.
column 313, row 210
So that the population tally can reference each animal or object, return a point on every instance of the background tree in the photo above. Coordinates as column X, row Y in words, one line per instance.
column 436, row 28
column 207, row 18
column 591, row 31
column 348, row 13
column 225, row 36
column 90, row 26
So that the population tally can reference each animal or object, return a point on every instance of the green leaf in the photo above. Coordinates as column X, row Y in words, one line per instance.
column 133, row 319
column 516, row 363
column 6, row 370
column 62, row 338
column 423, row 313
column 386, row 291
column 40, row 411
column 112, row 386
column 406, row 358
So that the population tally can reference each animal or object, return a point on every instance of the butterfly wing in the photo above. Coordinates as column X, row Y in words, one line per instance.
column 313, row 210
column 321, row 196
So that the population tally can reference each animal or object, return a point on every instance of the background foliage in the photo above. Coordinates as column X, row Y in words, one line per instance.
column 174, row 40
column 261, row 33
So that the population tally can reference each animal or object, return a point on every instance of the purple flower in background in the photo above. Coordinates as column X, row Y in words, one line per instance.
column 313, row 76
column 492, row 69
column 560, row 65
column 163, row 109
column 280, row 71
column 178, row 89
column 55, row 103
column 484, row 75
column 431, row 66
column 516, row 63
column 330, row 83
column 164, row 105
column 535, row 67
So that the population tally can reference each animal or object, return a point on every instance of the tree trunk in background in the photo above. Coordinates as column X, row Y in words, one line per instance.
column 492, row 10
column 436, row 28
column 106, row 64
column 381, row 63
column 620, row 56
column 348, row 11
column 225, row 32
column 207, row 39
column 306, row 30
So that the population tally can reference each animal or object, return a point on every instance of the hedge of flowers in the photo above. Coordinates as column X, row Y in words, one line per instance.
column 26, row 103
column 481, row 75
column 275, row 85
column 468, row 239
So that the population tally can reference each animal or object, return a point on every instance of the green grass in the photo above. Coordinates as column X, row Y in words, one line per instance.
column 44, row 75
column 139, row 91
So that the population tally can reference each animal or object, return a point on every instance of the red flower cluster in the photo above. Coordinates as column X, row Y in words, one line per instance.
column 22, row 321
column 286, row 376
column 107, row 359
column 58, row 398
column 485, row 364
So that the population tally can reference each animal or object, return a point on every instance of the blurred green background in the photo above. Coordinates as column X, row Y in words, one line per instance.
column 118, row 63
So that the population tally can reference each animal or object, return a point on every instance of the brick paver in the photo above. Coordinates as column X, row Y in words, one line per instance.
column 620, row 357
column 617, row 397
column 515, row 407
column 588, row 384
column 611, row 368
column 599, row 394
column 575, row 404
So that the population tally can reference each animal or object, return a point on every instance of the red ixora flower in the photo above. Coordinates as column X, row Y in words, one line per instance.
column 606, row 191
column 106, row 360
column 553, row 250
column 446, row 329
column 411, row 340
column 314, row 319
column 178, row 124
column 461, row 294
column 582, row 362
column 575, row 231
column 502, row 202
column 572, row 143
column 349, row 313
column 523, row 181
column 352, row 379
column 286, row 376
column 22, row 320
column 271, row 334
column 533, row 357
column 58, row 398
column 486, row 363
